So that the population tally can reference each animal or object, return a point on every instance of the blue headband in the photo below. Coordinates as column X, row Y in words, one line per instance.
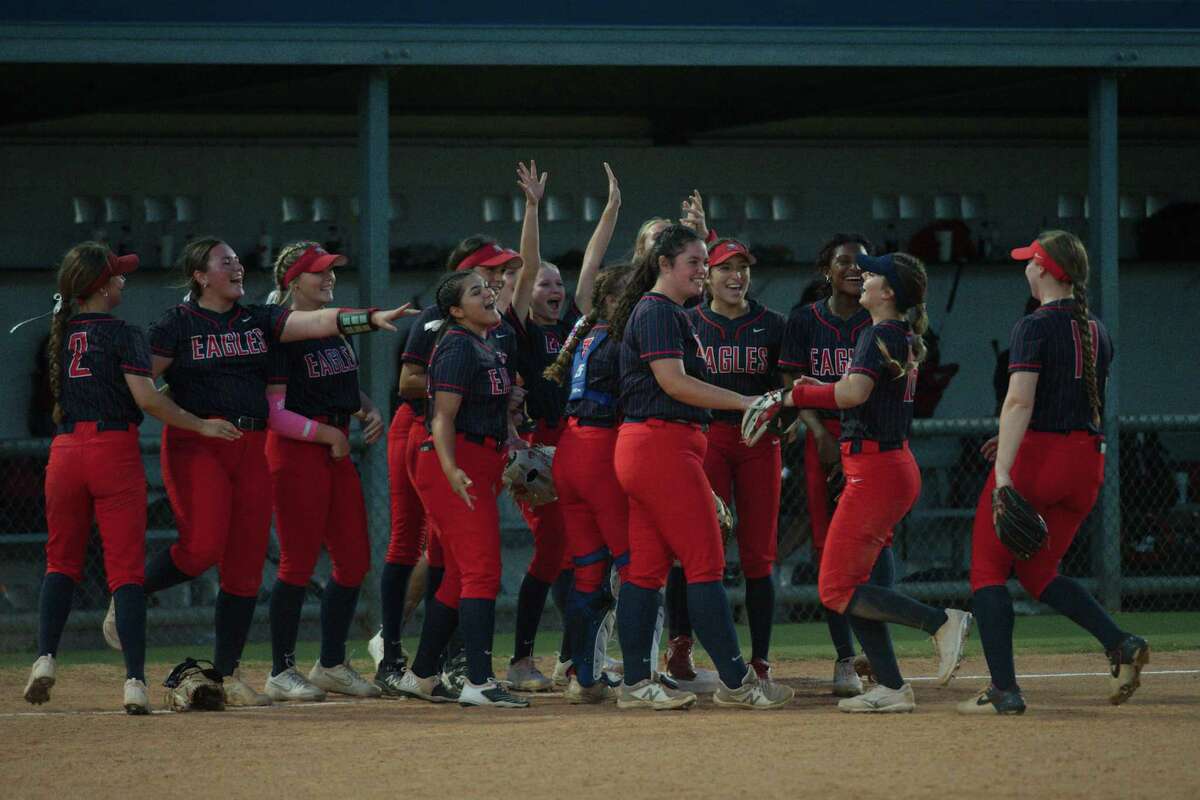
column 886, row 266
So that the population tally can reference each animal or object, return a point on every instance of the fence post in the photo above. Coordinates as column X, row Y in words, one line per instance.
column 1103, row 193
column 373, row 198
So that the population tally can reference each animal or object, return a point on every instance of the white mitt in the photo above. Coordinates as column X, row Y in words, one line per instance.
column 758, row 416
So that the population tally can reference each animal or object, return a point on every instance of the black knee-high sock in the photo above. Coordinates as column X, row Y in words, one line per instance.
column 161, row 573
column 337, row 612
column 993, row 611
column 131, row 628
column 232, row 617
column 477, row 621
column 888, row 605
column 440, row 622
column 839, row 633
column 712, row 619
column 54, row 606
column 1068, row 597
column 675, row 601
column 876, row 642
column 287, row 601
column 560, row 591
column 530, row 602
column 393, row 586
column 760, row 613
column 433, row 581
column 637, row 611
column 884, row 571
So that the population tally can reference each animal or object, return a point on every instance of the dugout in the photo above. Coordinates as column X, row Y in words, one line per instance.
column 392, row 129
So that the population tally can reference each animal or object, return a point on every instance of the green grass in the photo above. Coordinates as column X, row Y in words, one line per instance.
column 798, row 641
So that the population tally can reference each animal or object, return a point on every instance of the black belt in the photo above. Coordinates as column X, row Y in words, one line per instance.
column 242, row 423
column 856, row 445
column 594, row 422
column 336, row 420
column 490, row 442
column 101, row 425
column 703, row 426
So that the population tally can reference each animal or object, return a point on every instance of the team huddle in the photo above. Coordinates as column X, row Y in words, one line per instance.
column 626, row 422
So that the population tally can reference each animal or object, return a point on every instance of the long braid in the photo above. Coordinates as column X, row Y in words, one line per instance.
column 1080, row 315
column 669, row 243
column 607, row 283
column 58, row 327
column 911, row 271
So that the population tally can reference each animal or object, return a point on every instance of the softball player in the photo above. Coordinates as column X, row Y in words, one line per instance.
column 819, row 342
column 740, row 340
column 659, row 461
column 458, row 477
column 1051, row 449
column 882, row 480
column 214, row 353
column 100, row 380
column 314, row 391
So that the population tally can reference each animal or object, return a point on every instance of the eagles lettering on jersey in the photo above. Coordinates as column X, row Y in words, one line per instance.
column 228, row 345
column 742, row 354
column 820, row 344
column 476, row 369
column 330, row 361
column 321, row 376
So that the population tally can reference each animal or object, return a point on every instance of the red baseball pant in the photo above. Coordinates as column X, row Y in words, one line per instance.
column 96, row 474
column 748, row 478
column 881, row 487
column 408, row 515
column 417, row 435
column 594, row 507
column 660, row 465
column 469, row 537
column 546, row 521
column 221, row 494
column 1060, row 475
column 318, row 500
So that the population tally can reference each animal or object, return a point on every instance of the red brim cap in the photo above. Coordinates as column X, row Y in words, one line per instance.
column 116, row 265
column 727, row 249
column 314, row 259
column 1037, row 253
column 490, row 255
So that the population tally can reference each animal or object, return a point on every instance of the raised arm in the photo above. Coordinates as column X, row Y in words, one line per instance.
column 534, row 187
column 593, row 256
column 851, row 390
column 346, row 321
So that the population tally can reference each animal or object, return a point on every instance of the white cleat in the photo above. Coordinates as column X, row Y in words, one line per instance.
column 881, row 700
column 238, row 693
column 291, row 685
column 41, row 679
column 375, row 648
column 342, row 679
column 949, row 642
column 430, row 689
column 137, row 699
column 526, row 677
column 490, row 694
column 560, row 677
column 846, row 682
column 754, row 694
column 111, row 637
column 578, row 694
column 653, row 695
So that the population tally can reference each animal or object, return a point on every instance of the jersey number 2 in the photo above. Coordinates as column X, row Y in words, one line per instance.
column 77, row 344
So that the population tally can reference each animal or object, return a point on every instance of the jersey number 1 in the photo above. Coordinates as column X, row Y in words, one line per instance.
column 77, row 344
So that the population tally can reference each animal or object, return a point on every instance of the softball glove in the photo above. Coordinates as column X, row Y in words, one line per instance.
column 757, row 418
column 724, row 517
column 192, row 687
column 1018, row 525
column 528, row 475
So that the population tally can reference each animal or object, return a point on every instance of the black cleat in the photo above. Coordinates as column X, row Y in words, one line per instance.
column 994, row 701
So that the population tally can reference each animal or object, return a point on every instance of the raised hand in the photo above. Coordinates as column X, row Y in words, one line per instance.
column 383, row 319
column 614, row 189
column 693, row 214
column 533, row 185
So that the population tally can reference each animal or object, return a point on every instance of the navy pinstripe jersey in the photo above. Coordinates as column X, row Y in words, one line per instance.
column 1048, row 342
column 742, row 354
column 886, row 416
column 220, row 361
column 98, row 351
column 657, row 329
column 602, row 375
column 423, row 335
column 321, row 376
column 820, row 344
column 538, row 346
column 477, row 370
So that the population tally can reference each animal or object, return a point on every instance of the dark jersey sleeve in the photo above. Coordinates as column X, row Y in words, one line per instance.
column 659, row 335
column 454, row 366
column 421, row 337
column 868, row 358
column 277, row 366
column 271, row 318
column 133, row 351
column 793, row 352
column 1027, row 345
column 165, row 334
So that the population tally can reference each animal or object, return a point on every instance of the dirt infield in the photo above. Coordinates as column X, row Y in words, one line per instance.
column 1071, row 743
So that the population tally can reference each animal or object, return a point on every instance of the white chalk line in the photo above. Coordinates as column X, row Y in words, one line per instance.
column 411, row 704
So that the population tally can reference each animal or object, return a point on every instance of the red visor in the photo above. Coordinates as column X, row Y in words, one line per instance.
column 726, row 249
column 1039, row 254
column 117, row 265
column 489, row 255
column 314, row 259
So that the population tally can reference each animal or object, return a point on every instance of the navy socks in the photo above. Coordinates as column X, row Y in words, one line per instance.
column 877, row 644
column 678, row 621
column 233, row 617
column 54, row 606
column 440, row 622
column 887, row 605
column 530, row 602
column 130, row 600
column 1069, row 598
column 477, row 621
column 708, row 606
column 637, row 611
column 993, row 611
column 393, row 585
column 286, row 603
column 337, row 612
column 161, row 573
column 760, row 613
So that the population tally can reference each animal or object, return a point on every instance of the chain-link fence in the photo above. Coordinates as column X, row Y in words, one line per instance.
column 1139, row 549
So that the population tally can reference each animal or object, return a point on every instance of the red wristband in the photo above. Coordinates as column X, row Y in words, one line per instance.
column 806, row 395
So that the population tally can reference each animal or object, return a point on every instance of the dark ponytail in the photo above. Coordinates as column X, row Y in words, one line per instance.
column 668, row 244
column 605, row 287
column 449, row 293
column 1069, row 253
column 911, row 273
